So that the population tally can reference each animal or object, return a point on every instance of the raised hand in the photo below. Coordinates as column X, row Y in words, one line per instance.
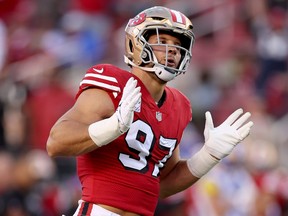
column 125, row 111
column 221, row 140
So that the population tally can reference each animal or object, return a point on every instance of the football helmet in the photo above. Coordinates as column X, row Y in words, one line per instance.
column 156, row 20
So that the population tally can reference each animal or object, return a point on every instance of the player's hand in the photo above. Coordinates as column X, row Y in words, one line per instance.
column 221, row 140
column 125, row 111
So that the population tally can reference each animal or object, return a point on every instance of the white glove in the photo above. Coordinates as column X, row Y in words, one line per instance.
column 125, row 111
column 219, row 141
column 106, row 130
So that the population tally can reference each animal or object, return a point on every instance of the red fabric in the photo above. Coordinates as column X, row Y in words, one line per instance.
column 118, row 174
column 92, row 6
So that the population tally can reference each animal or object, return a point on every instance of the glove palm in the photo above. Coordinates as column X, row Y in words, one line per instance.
column 125, row 111
column 221, row 140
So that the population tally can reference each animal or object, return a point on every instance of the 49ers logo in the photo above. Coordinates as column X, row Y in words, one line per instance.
column 140, row 18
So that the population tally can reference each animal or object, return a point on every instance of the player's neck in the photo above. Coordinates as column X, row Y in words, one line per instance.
column 152, row 83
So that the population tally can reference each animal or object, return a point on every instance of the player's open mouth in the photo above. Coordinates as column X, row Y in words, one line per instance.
column 171, row 62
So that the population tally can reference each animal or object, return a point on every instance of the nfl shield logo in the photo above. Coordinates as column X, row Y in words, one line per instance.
column 159, row 116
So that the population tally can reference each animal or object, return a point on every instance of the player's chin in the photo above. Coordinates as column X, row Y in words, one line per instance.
column 169, row 64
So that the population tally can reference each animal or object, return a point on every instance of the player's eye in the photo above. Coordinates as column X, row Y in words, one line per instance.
column 162, row 41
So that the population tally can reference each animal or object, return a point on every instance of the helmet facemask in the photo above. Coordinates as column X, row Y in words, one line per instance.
column 149, row 58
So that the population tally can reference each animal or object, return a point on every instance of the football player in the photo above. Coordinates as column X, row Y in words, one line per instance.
column 126, row 126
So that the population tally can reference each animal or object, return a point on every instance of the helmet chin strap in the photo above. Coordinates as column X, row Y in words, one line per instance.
column 158, row 69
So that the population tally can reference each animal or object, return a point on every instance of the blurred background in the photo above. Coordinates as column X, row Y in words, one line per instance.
column 239, row 60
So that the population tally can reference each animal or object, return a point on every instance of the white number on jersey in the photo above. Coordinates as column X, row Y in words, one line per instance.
column 141, row 140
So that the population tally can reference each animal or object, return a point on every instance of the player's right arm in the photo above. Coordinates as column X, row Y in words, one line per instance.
column 69, row 136
column 93, row 122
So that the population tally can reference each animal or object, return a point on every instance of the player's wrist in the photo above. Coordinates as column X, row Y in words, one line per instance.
column 201, row 162
column 104, row 131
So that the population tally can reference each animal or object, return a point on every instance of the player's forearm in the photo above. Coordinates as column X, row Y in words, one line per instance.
column 69, row 138
column 179, row 179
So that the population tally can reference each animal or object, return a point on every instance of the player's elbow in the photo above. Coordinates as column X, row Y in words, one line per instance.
column 164, row 191
column 52, row 147
column 164, row 194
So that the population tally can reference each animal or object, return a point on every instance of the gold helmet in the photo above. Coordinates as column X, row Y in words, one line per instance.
column 154, row 20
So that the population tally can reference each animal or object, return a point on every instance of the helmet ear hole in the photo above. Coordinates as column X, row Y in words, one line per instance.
column 147, row 54
column 144, row 55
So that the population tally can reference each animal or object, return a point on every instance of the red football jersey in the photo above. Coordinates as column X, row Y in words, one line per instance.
column 125, row 173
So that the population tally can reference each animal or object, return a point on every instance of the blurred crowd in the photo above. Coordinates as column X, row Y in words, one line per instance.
column 240, row 59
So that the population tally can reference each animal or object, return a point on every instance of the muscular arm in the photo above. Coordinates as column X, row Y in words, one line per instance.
column 69, row 136
column 175, row 177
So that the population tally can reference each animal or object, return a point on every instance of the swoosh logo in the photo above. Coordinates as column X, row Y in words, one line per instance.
column 98, row 71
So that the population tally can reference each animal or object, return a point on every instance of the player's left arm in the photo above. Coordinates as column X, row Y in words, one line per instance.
column 219, row 143
column 175, row 176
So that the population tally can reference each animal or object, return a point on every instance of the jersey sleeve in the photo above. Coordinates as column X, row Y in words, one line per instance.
column 104, row 77
column 182, row 106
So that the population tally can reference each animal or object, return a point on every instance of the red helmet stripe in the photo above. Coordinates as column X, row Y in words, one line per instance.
column 178, row 17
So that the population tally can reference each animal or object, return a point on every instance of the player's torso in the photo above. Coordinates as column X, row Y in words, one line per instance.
column 152, row 137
